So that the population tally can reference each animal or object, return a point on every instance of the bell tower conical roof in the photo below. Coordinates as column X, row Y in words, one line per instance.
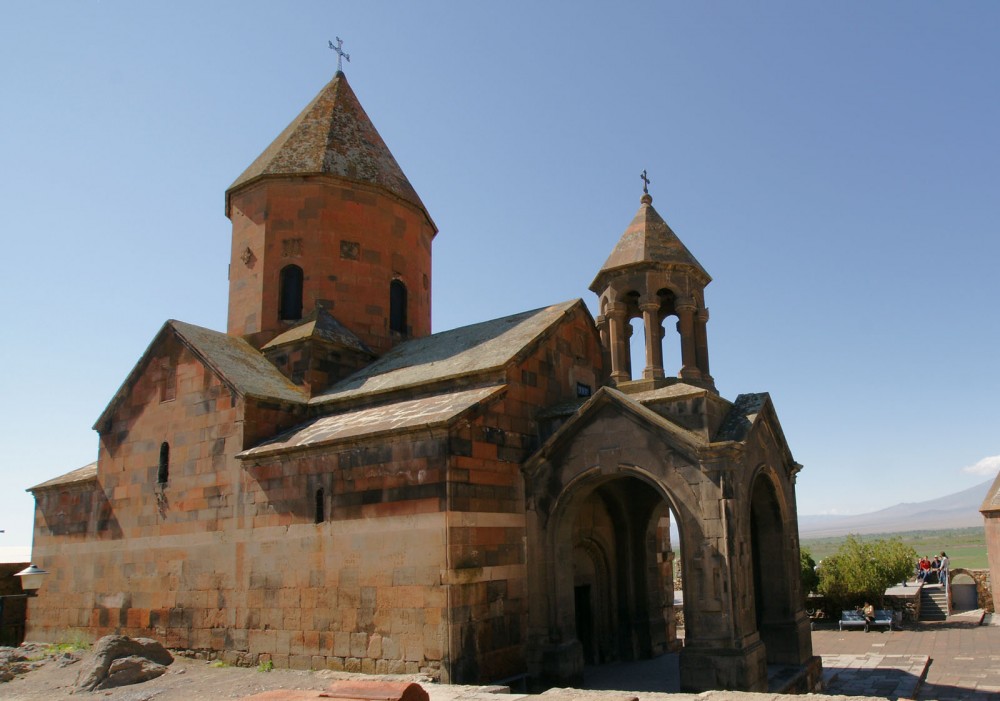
column 648, row 241
column 334, row 136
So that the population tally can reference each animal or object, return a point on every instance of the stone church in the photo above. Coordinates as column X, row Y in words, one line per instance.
column 328, row 484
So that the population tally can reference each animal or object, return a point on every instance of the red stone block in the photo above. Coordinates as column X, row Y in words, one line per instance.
column 286, row 695
column 375, row 691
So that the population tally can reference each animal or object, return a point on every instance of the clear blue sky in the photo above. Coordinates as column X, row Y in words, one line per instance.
column 834, row 166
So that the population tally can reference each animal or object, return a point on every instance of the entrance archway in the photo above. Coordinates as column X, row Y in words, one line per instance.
column 964, row 591
column 771, row 585
column 618, row 532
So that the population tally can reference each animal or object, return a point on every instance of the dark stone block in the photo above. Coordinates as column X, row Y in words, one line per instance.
column 460, row 446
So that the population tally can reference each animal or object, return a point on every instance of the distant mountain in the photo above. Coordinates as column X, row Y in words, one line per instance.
column 958, row 510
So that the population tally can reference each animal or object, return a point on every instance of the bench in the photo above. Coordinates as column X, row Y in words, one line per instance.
column 855, row 619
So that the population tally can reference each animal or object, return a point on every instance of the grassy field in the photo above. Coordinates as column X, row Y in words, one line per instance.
column 966, row 547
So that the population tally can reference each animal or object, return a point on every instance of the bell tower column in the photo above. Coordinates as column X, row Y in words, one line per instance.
column 689, row 362
column 654, row 340
column 618, row 342
column 701, row 343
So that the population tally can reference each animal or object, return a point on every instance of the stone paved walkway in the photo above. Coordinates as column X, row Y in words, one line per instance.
column 957, row 659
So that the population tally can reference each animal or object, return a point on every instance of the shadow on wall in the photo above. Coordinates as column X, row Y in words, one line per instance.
column 79, row 511
column 14, row 609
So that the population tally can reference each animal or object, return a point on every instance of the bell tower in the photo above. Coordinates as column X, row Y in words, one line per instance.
column 325, row 219
column 651, row 275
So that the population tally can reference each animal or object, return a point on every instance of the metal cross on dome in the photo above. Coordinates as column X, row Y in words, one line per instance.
column 340, row 54
column 645, row 182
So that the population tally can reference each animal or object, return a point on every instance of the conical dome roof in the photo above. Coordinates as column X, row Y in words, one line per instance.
column 332, row 136
column 648, row 242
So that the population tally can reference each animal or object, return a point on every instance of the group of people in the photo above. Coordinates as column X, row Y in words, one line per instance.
column 934, row 570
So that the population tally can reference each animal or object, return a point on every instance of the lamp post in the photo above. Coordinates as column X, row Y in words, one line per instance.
column 31, row 579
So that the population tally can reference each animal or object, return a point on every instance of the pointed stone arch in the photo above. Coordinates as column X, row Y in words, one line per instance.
column 773, row 572
column 633, row 458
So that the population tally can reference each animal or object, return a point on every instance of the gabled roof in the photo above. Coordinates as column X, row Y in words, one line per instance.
column 462, row 352
column 750, row 412
column 236, row 362
column 991, row 503
column 648, row 241
column 423, row 413
column 320, row 324
column 742, row 416
column 681, row 439
column 81, row 475
column 332, row 136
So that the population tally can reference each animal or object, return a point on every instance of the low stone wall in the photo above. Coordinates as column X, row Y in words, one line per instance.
column 906, row 604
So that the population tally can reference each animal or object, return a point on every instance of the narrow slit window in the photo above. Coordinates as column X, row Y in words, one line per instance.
column 290, row 303
column 320, row 506
column 397, row 306
column 163, row 473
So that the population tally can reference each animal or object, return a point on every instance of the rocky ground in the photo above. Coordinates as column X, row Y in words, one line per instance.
column 36, row 672
column 47, row 673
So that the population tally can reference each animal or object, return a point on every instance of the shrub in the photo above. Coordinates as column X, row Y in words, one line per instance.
column 862, row 570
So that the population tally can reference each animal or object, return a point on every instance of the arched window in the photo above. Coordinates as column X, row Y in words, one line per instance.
column 290, row 302
column 320, row 506
column 397, row 306
column 163, row 474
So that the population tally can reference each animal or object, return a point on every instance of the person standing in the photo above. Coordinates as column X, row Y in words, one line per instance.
column 943, row 569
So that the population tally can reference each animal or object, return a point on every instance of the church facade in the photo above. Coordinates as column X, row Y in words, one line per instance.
column 329, row 485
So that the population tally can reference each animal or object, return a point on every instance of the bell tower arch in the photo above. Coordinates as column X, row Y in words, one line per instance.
column 650, row 275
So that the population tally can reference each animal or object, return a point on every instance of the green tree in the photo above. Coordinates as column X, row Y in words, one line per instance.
column 807, row 572
column 862, row 570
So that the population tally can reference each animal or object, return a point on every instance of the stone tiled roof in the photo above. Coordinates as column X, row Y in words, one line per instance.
column 671, row 391
column 237, row 363
column 398, row 416
column 740, row 418
column 466, row 351
column 648, row 240
column 992, row 501
column 321, row 324
column 87, row 473
column 332, row 136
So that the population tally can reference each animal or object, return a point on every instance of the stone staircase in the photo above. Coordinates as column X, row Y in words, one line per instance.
column 933, row 603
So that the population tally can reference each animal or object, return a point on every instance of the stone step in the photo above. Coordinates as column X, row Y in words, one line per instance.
column 933, row 604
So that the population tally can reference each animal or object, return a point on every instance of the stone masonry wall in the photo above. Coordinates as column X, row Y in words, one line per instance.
column 390, row 554
column 991, row 526
column 355, row 595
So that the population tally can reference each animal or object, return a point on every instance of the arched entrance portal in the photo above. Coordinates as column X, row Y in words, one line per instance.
column 600, row 496
column 622, row 571
column 771, row 570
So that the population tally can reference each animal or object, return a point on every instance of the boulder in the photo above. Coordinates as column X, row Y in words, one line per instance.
column 96, row 667
column 12, row 663
column 131, row 670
